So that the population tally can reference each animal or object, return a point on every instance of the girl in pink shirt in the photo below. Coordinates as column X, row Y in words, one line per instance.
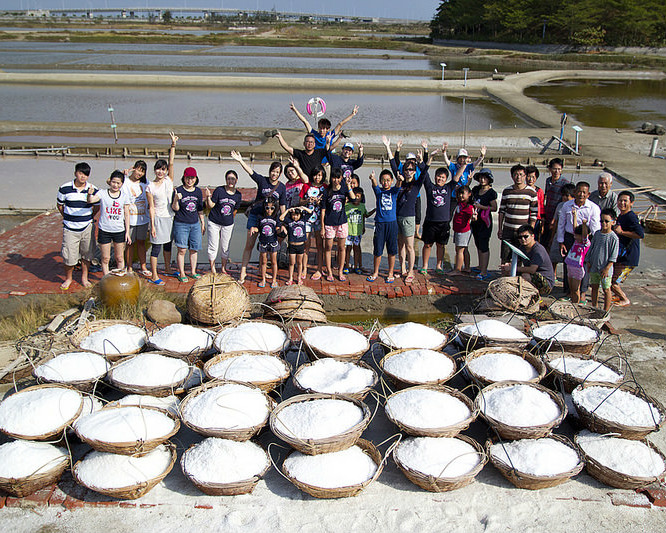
column 462, row 230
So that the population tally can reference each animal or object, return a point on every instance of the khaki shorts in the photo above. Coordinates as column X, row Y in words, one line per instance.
column 78, row 245
column 407, row 226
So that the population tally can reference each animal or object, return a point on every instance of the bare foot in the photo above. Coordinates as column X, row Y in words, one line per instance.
column 65, row 284
column 86, row 284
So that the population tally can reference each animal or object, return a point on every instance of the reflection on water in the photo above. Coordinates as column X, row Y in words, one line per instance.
column 606, row 104
column 655, row 241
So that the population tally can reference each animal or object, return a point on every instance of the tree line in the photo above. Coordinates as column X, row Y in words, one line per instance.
column 577, row 22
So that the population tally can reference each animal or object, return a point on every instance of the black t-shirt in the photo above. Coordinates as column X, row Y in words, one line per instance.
column 190, row 204
column 334, row 203
column 438, row 208
column 222, row 212
column 266, row 189
column 308, row 162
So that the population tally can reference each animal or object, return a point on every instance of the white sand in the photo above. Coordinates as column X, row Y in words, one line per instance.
column 519, row 405
column 224, row 461
column 420, row 366
column 334, row 377
column 318, row 419
column 538, row 457
column 73, row 366
column 336, row 340
column 438, row 457
column 411, row 335
column 21, row 458
column 423, row 408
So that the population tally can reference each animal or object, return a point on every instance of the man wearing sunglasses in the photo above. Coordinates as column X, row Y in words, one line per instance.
column 537, row 269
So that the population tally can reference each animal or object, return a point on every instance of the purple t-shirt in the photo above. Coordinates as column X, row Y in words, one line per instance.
column 190, row 205
column 334, row 203
column 222, row 212
column 266, row 189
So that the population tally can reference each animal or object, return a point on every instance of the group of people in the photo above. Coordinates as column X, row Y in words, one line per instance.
column 562, row 223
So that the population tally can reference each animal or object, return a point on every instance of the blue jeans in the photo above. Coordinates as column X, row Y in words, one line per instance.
column 187, row 235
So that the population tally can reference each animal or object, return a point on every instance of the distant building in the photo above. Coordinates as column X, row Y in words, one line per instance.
column 38, row 13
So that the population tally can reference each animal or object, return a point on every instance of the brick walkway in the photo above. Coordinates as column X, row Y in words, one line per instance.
column 31, row 264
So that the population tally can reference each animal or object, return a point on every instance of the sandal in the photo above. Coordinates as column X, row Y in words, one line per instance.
column 156, row 281
column 195, row 276
column 183, row 279
column 330, row 279
column 423, row 271
column 146, row 273
column 371, row 278
column 358, row 271
column 316, row 276
column 409, row 278
column 343, row 278
column 390, row 279
column 440, row 271
column 274, row 284
column 345, row 270
column 261, row 284
column 289, row 282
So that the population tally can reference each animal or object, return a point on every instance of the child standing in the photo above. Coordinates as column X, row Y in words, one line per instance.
column 188, row 222
column 334, row 220
column 386, row 223
column 630, row 233
column 296, row 237
column 312, row 195
column 356, row 215
column 462, row 231
column 267, row 227
column 223, row 204
column 600, row 258
column 575, row 260
column 135, row 185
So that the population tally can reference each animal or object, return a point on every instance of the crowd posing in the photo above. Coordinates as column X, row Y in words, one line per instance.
column 595, row 235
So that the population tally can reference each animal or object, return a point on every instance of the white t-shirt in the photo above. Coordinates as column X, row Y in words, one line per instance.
column 162, row 196
column 112, row 214
column 138, row 203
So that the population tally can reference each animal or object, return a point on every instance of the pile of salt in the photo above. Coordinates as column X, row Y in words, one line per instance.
column 411, row 335
column 519, row 405
column 167, row 403
column 251, row 336
column 334, row 377
column 250, row 368
column 419, row 366
column 585, row 369
column 425, row 408
column 502, row 366
column 216, row 460
column 335, row 340
column 617, row 405
column 494, row 329
column 120, row 338
column 537, row 457
column 182, row 338
column 150, row 369
column 317, row 419
column 74, row 366
column 438, row 456
column 565, row 333
column 21, row 458
column 124, row 424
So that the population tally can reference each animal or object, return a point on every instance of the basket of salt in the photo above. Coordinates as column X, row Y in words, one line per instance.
column 491, row 365
column 474, row 335
column 182, row 340
column 617, row 409
column 572, row 369
column 217, row 299
column 170, row 404
column 409, row 367
column 320, row 423
column 221, row 467
column 440, row 464
column 584, row 315
column 536, row 463
column 621, row 463
column 126, row 430
column 252, row 336
column 41, row 412
column 266, row 371
column 338, row 474
column 411, row 335
column 226, row 409
column 515, row 294
column 125, row 477
column 520, row 410
column 26, row 467
column 330, row 376
column 430, row 411
column 81, row 370
column 149, row 373
column 565, row 337
column 345, row 343
column 112, row 338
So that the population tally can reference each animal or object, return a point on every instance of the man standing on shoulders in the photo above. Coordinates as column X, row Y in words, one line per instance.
column 538, row 269
column 553, row 195
column 78, row 235
column 603, row 196
column 518, row 206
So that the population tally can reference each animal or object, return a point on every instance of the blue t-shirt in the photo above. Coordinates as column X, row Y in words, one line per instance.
column 438, row 207
column 334, row 204
column 264, row 190
column 222, row 212
column 296, row 230
column 268, row 227
column 630, row 249
column 386, row 203
column 464, row 178
column 407, row 197
column 190, row 205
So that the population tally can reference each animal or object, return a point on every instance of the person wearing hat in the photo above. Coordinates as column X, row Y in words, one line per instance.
column 188, row 222
column 345, row 161
column 485, row 203
column 461, row 161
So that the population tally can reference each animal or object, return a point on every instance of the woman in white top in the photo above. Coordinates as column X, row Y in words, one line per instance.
column 135, row 185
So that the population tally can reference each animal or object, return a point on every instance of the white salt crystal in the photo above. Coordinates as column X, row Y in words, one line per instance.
column 22, row 458
column 228, row 406
column 331, row 470
column 216, row 460
column 251, row 336
column 424, row 408
column 519, row 405
column 438, row 456
column 120, row 338
column 502, row 366
column 494, row 329
column 629, row 457
column 585, row 369
column 100, row 470
column 334, row 377
column 336, row 340
column 318, row 419
column 74, row 366
column 617, row 405
column 124, row 424
column 411, row 335
column 565, row 332
column 419, row 366
column 39, row 411
column 150, row 369
column 182, row 338
column 538, row 457
column 251, row 368
column 168, row 403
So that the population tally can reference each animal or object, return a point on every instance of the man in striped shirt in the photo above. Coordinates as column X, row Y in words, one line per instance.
column 78, row 235
column 518, row 206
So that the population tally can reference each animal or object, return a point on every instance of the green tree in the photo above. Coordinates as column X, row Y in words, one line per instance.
column 167, row 17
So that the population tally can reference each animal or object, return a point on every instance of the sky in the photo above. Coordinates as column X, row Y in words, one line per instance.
column 414, row 9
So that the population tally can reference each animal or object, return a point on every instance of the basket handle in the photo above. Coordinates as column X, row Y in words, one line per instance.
column 270, row 457
column 388, row 453
column 481, row 454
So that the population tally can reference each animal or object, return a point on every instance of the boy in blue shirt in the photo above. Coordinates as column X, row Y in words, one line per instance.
column 323, row 132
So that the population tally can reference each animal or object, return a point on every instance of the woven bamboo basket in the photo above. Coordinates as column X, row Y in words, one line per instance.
column 341, row 492
column 57, row 432
column 166, row 389
column 221, row 348
column 84, row 385
column 266, row 386
column 315, row 353
column 474, row 342
column 521, row 432
column 569, row 381
column 131, row 492
column 235, row 488
column 294, row 302
column 25, row 486
column 326, row 445
column 237, row 434
column 652, row 223
column 217, row 299
column 136, row 447
column 515, row 294
column 192, row 355
column 483, row 381
column 597, row 424
column 447, row 431
column 546, row 345
column 401, row 383
column 440, row 483
column 584, row 315
column 97, row 325
column 357, row 395
column 389, row 346
column 523, row 480
column 616, row 479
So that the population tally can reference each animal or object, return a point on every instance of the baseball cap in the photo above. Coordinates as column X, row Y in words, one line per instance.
column 190, row 172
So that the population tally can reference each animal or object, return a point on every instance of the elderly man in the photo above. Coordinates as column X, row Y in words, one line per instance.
column 537, row 269
column 603, row 196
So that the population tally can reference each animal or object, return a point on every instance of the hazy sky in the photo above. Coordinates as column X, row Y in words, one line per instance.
column 413, row 9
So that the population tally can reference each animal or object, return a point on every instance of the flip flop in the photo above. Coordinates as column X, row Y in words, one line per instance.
column 261, row 284
column 195, row 276
column 64, row 288
column 390, row 279
column 371, row 278
column 409, row 278
column 440, row 271
column 156, row 281
column 183, row 279
column 343, row 278
column 316, row 276
column 288, row 282
column 345, row 271
column 358, row 271
column 623, row 304
column 274, row 284
column 330, row 279
column 146, row 273
column 423, row 271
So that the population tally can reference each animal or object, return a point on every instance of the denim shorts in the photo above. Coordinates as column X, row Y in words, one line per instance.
column 187, row 236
